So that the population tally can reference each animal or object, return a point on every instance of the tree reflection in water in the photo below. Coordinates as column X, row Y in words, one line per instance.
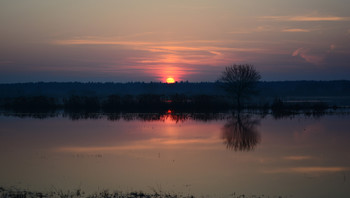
column 240, row 133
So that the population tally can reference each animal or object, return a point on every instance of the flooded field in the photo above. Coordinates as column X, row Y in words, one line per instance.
column 209, row 155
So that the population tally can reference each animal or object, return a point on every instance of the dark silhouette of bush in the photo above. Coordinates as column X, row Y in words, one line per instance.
column 151, row 102
column 128, row 101
column 112, row 104
column 31, row 104
column 82, row 103
column 282, row 109
column 178, row 100
column 204, row 102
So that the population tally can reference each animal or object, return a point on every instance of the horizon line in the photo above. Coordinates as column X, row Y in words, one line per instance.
column 159, row 82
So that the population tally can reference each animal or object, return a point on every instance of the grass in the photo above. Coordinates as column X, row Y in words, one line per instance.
column 20, row 193
column 78, row 193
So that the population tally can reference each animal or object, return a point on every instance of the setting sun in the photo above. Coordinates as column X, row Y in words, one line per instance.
column 170, row 80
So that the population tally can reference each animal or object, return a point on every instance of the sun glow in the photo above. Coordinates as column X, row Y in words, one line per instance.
column 170, row 80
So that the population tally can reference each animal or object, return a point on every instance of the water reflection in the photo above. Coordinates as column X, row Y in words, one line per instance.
column 173, row 114
column 177, row 150
column 240, row 133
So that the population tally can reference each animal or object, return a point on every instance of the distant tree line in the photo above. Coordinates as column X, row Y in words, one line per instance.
column 241, row 83
column 118, row 103
column 339, row 88
column 152, row 103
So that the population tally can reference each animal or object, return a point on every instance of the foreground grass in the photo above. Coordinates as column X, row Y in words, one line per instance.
column 17, row 193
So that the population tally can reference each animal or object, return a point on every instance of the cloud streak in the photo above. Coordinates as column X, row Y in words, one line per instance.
column 192, row 45
column 297, row 157
column 305, row 18
column 295, row 30
column 179, row 58
column 308, row 56
column 309, row 169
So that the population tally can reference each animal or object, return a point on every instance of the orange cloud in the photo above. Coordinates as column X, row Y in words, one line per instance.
column 163, row 57
column 309, row 169
column 178, row 59
column 332, row 47
column 257, row 29
column 192, row 45
column 327, row 18
column 297, row 157
column 97, row 42
column 308, row 57
column 295, row 30
column 319, row 169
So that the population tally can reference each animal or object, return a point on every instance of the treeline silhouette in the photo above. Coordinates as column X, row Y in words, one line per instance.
column 288, row 97
column 117, row 103
column 152, row 103
column 283, row 89
column 66, row 89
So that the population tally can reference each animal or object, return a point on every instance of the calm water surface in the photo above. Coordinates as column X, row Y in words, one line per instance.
column 245, row 154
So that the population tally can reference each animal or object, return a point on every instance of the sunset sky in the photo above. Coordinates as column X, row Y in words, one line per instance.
column 152, row 40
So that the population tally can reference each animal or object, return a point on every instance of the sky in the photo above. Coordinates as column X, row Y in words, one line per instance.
column 188, row 40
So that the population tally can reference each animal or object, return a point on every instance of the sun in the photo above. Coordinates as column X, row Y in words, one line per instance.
column 170, row 80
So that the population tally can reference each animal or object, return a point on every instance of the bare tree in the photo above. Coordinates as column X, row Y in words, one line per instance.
column 240, row 81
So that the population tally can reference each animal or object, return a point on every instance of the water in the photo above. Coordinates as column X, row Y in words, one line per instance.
column 214, row 155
